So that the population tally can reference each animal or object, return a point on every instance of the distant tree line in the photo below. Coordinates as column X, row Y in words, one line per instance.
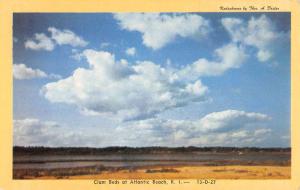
column 40, row 150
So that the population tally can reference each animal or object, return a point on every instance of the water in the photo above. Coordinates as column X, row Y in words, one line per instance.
column 134, row 160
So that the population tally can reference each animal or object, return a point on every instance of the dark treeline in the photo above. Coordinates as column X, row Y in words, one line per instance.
column 19, row 150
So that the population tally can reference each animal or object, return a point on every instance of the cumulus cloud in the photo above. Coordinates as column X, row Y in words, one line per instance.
column 144, row 89
column 34, row 132
column 242, row 129
column 229, row 119
column 66, row 37
column 21, row 71
column 58, row 37
column 225, row 128
column 140, row 90
column 129, row 91
column 229, row 56
column 160, row 29
column 258, row 32
column 40, row 42
column 131, row 51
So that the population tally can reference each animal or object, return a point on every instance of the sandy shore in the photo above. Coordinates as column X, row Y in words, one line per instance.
column 194, row 172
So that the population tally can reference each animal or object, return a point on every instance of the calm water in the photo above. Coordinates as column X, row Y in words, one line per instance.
column 133, row 160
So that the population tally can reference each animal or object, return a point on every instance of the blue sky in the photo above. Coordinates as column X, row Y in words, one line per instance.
column 209, row 79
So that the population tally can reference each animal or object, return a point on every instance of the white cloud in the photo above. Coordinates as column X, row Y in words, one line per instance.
column 131, row 51
column 66, row 37
column 122, row 89
column 197, row 88
column 264, row 55
column 140, row 90
column 34, row 132
column 225, row 128
column 40, row 42
column 229, row 119
column 61, row 37
column 240, row 129
column 258, row 32
column 160, row 29
column 21, row 71
column 262, row 131
column 230, row 56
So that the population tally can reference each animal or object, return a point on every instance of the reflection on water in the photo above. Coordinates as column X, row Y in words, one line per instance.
column 133, row 160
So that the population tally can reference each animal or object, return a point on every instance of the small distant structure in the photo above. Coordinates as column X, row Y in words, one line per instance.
column 240, row 153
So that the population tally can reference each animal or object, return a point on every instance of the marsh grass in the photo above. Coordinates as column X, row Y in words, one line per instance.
column 163, row 170
column 61, row 173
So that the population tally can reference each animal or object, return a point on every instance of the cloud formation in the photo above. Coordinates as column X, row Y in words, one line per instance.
column 34, row 132
column 144, row 89
column 140, row 90
column 131, row 51
column 224, row 128
column 66, row 37
column 58, row 37
column 229, row 56
column 135, row 95
column 40, row 42
column 242, row 128
column 160, row 29
column 229, row 119
column 124, row 90
column 21, row 71
column 257, row 32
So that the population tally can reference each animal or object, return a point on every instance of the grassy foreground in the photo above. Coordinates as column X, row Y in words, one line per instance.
column 175, row 172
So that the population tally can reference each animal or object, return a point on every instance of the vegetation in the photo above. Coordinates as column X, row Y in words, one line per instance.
column 60, row 173
column 19, row 150
column 163, row 170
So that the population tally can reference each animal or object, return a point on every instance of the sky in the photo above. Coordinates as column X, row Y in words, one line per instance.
column 151, row 79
